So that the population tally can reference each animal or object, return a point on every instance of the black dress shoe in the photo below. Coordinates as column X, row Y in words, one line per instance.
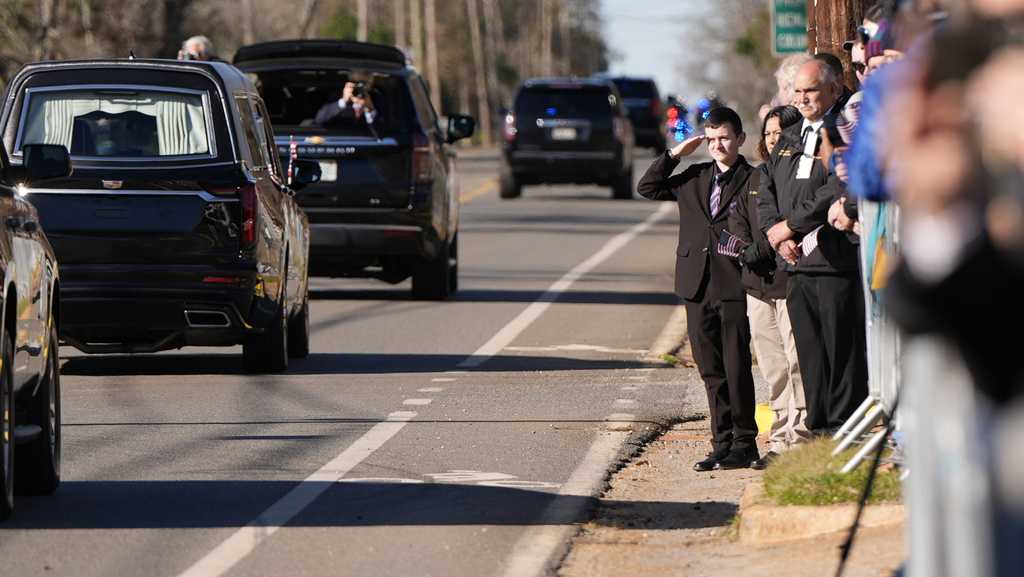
column 762, row 463
column 738, row 459
column 711, row 462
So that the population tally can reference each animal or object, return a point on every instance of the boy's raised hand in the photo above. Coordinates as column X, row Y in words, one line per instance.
column 687, row 147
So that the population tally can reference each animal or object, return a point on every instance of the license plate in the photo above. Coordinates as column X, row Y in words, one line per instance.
column 563, row 133
column 328, row 170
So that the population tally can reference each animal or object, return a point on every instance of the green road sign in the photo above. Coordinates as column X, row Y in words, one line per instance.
column 789, row 26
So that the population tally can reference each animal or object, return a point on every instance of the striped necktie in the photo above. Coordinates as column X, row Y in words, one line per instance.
column 716, row 194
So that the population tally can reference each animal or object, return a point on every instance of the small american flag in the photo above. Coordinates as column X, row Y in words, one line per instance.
column 293, row 153
column 730, row 245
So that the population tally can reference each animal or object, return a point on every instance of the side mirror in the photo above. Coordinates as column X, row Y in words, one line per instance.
column 44, row 162
column 460, row 126
column 304, row 172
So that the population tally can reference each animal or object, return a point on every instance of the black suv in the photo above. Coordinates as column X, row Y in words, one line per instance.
column 177, row 227
column 640, row 95
column 388, row 203
column 29, row 361
column 567, row 130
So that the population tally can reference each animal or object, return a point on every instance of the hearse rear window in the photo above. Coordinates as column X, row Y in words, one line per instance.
column 124, row 123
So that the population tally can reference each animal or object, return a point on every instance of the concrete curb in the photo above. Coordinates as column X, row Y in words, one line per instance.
column 761, row 522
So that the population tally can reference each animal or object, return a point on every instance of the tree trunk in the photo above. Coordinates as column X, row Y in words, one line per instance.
column 433, row 76
column 248, row 28
column 363, row 15
column 545, row 38
column 482, row 101
column 85, row 7
column 416, row 23
column 494, row 93
column 564, row 30
column 400, row 34
column 174, row 21
column 47, row 29
column 308, row 14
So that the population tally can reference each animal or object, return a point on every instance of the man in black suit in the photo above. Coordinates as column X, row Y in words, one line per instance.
column 709, row 283
column 354, row 107
column 825, row 297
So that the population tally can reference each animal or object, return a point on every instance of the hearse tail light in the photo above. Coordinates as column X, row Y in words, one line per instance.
column 247, row 197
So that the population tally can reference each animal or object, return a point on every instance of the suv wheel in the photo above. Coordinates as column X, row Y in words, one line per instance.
column 6, row 427
column 622, row 186
column 39, row 473
column 509, row 186
column 298, row 331
column 268, row 352
column 432, row 279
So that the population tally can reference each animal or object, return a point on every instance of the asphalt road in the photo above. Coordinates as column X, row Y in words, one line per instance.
column 454, row 438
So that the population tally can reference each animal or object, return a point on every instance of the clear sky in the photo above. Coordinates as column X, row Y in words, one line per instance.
column 645, row 33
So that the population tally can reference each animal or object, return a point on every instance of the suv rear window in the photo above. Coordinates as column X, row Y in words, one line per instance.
column 581, row 102
column 635, row 88
column 118, row 122
column 293, row 98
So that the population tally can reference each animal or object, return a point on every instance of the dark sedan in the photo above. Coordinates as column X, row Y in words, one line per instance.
column 178, row 226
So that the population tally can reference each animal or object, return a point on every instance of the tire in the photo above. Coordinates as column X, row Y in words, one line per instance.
column 622, row 188
column 298, row 332
column 7, row 428
column 268, row 352
column 453, row 271
column 39, row 461
column 431, row 279
column 509, row 187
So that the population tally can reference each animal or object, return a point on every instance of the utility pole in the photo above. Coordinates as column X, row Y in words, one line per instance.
column 361, row 14
column 482, row 101
column 829, row 24
column 433, row 77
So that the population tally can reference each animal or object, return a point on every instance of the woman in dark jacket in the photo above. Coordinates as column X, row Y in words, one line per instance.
column 765, row 283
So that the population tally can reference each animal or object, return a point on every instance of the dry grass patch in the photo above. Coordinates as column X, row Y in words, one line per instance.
column 810, row 476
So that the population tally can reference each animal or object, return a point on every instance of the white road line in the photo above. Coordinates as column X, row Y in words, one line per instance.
column 442, row 380
column 637, row 378
column 430, row 390
column 672, row 334
column 417, row 402
column 536, row 549
column 513, row 329
column 626, row 403
column 245, row 540
column 630, row 388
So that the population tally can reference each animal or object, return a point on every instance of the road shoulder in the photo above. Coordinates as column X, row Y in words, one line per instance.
column 659, row 517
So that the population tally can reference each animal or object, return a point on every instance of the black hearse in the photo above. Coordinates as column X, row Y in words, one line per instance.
column 178, row 226
column 388, row 203
column 29, row 362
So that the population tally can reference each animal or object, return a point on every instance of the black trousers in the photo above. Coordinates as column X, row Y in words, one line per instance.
column 720, row 338
column 827, row 314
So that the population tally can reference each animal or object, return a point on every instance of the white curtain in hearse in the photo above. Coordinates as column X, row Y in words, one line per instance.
column 179, row 119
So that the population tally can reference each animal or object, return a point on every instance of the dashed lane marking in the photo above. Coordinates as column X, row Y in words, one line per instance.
column 443, row 380
column 417, row 402
column 626, row 403
column 245, row 540
column 481, row 189
column 430, row 390
column 513, row 329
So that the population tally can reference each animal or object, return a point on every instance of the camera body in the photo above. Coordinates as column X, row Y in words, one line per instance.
column 359, row 89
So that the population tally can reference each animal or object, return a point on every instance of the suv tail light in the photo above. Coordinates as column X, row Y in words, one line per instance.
column 422, row 165
column 619, row 128
column 510, row 128
column 247, row 196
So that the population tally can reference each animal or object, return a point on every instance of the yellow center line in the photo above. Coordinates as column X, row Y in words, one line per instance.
column 482, row 189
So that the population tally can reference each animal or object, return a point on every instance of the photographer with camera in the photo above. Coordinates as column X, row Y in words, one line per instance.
column 198, row 48
column 354, row 107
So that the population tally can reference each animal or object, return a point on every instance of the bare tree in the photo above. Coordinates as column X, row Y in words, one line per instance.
column 363, row 17
column 248, row 28
column 545, row 37
column 398, row 9
column 308, row 13
column 482, row 101
column 433, row 77
column 416, row 23
column 829, row 24
column 85, row 7
column 491, row 32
